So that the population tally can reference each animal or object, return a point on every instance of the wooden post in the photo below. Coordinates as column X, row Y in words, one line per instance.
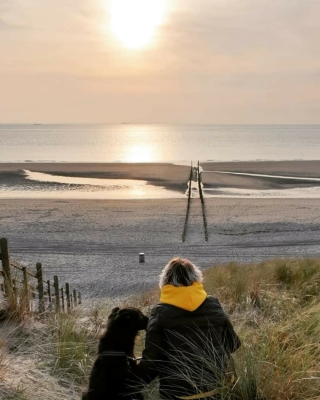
column 79, row 298
column 26, row 288
column 6, row 266
column 49, row 295
column 74, row 297
column 14, row 288
column 68, row 297
column 40, row 288
column 62, row 299
column 56, row 293
column 184, row 234
column 205, row 225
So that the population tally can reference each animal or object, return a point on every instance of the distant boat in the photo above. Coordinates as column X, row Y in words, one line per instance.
column 37, row 124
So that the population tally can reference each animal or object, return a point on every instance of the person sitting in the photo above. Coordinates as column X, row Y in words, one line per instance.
column 189, row 337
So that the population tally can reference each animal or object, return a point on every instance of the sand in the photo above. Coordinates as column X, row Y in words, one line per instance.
column 95, row 244
column 277, row 174
column 167, row 175
column 175, row 177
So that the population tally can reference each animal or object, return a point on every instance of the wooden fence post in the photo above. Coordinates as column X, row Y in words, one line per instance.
column 49, row 295
column 6, row 266
column 40, row 288
column 56, row 293
column 68, row 297
column 26, row 288
column 62, row 299
column 74, row 297
column 15, row 288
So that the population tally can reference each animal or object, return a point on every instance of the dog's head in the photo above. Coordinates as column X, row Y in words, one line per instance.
column 130, row 319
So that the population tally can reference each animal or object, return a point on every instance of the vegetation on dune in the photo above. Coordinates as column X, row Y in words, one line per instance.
column 274, row 307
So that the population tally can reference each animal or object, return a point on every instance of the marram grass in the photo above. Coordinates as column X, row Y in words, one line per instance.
column 274, row 307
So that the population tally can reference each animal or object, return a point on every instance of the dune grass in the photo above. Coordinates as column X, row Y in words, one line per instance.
column 274, row 307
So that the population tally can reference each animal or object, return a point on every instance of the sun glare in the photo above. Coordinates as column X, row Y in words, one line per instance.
column 140, row 153
column 134, row 21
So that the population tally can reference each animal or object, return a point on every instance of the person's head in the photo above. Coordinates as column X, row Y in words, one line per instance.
column 180, row 272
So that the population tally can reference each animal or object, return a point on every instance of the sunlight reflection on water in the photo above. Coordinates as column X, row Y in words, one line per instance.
column 68, row 187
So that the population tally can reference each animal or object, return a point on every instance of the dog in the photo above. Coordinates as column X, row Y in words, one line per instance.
column 112, row 374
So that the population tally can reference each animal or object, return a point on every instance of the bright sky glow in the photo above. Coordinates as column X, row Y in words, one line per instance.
column 159, row 61
column 134, row 21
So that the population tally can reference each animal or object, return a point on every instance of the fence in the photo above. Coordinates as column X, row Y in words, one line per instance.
column 30, row 288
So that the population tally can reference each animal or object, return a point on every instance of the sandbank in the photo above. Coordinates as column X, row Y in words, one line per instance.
column 283, row 174
column 168, row 175
column 261, row 175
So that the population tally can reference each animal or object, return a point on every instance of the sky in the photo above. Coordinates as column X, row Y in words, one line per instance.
column 160, row 61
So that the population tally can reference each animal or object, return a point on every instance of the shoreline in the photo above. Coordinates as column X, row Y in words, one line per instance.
column 218, row 178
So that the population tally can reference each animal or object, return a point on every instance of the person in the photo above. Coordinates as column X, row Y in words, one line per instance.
column 189, row 337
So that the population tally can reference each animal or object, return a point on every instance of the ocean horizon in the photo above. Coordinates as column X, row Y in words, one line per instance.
column 157, row 143
column 133, row 143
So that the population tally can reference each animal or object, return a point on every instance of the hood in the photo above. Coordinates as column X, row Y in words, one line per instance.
column 187, row 297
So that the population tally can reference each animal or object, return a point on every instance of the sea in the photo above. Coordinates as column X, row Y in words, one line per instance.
column 95, row 247
column 133, row 143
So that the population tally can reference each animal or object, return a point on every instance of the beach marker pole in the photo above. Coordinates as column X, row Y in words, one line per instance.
column 141, row 257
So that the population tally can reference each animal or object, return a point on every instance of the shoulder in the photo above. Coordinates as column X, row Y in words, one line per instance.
column 159, row 309
column 211, row 302
column 212, row 307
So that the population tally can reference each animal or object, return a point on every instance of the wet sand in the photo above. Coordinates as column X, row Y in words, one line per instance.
column 273, row 174
column 171, row 176
column 175, row 177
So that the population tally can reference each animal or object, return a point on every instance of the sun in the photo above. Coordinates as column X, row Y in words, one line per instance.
column 134, row 21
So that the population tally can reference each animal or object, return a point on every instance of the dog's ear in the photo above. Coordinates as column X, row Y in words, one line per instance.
column 113, row 312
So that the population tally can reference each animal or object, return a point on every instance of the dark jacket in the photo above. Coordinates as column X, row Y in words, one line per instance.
column 187, row 347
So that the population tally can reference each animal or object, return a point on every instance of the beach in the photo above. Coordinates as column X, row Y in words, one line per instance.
column 164, row 174
column 86, row 177
column 95, row 244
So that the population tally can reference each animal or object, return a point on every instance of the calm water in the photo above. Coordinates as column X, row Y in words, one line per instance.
column 147, row 143
column 158, row 143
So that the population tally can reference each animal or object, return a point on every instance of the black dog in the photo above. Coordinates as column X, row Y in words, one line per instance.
column 112, row 374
